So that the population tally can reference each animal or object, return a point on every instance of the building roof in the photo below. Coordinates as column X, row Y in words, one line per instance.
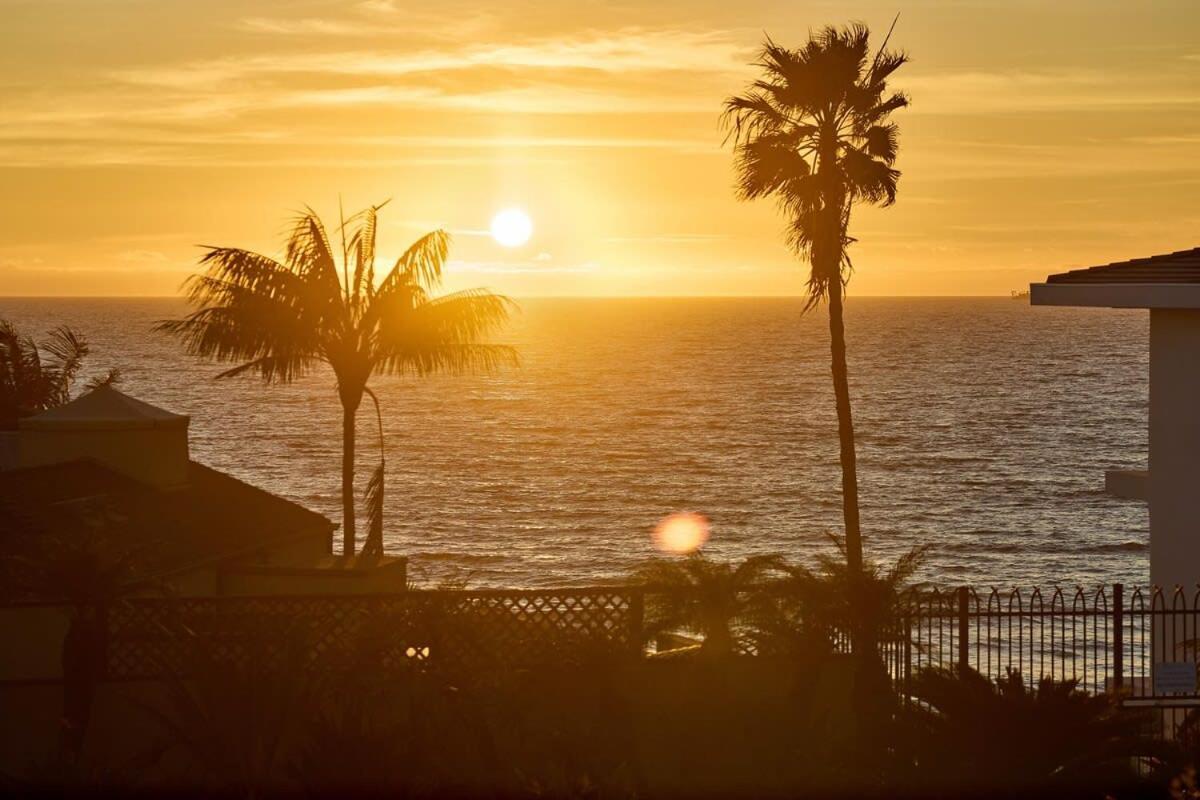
column 213, row 518
column 1171, row 280
column 1182, row 266
column 105, row 407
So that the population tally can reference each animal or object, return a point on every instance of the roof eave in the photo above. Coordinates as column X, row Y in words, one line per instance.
column 1116, row 295
column 216, row 559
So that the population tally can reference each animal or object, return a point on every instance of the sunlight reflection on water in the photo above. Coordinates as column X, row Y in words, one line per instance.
column 984, row 428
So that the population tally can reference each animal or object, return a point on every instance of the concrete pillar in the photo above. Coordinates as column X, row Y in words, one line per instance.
column 1174, row 483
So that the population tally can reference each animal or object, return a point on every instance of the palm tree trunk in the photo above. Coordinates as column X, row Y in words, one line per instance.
column 349, row 412
column 841, row 392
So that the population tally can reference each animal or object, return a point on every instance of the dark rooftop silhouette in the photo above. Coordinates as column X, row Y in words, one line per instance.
column 105, row 406
column 211, row 518
column 1182, row 266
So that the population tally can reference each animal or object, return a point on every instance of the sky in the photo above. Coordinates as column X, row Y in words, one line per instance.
column 1041, row 136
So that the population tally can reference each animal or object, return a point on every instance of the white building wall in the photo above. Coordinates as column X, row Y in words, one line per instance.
column 1174, row 482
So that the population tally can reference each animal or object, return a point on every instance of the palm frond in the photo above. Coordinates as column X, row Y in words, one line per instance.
column 420, row 264
column 110, row 378
column 373, row 546
column 362, row 245
column 882, row 142
column 444, row 335
column 68, row 350
column 254, row 310
column 309, row 254
column 375, row 490
column 36, row 376
column 869, row 178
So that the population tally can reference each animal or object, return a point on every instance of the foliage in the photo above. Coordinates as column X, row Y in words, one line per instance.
column 814, row 133
column 35, row 376
column 373, row 546
column 704, row 596
column 84, row 561
column 833, row 599
column 110, row 378
column 281, row 319
column 966, row 731
column 231, row 723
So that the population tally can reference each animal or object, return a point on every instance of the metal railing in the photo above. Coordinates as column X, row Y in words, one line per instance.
column 1142, row 644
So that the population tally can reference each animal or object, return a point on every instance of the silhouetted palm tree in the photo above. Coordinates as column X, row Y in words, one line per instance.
column 809, row 609
column 966, row 732
column 281, row 319
column 35, row 376
column 813, row 133
column 704, row 596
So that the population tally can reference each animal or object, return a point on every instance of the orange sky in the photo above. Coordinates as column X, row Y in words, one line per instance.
column 1041, row 136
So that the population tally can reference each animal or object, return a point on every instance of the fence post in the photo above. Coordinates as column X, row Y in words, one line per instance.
column 964, row 599
column 1118, row 637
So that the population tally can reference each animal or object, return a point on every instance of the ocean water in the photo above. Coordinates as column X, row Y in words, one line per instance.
column 984, row 429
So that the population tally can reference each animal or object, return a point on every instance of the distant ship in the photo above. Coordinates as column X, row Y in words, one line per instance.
column 1020, row 294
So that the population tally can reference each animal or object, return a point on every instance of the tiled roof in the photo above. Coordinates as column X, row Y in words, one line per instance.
column 1179, row 267
column 213, row 517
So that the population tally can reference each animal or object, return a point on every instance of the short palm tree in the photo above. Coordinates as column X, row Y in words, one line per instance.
column 35, row 376
column 966, row 732
column 816, row 608
column 280, row 319
column 813, row 133
column 704, row 596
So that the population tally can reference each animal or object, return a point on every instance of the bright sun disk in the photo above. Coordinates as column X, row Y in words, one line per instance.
column 512, row 227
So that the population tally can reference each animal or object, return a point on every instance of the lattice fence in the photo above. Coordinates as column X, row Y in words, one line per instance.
column 468, row 633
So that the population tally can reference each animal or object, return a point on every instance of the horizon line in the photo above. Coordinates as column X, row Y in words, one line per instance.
column 554, row 296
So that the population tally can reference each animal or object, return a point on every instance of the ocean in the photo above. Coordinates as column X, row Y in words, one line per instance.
column 984, row 429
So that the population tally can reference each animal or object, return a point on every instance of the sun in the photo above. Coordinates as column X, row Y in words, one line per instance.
column 512, row 227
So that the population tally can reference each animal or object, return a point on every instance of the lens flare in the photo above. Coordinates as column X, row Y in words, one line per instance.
column 681, row 533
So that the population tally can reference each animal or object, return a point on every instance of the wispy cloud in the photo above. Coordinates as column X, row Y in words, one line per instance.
column 1056, row 90
column 623, row 50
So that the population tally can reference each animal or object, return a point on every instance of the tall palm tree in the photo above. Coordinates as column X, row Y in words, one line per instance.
column 35, row 376
column 813, row 133
column 280, row 319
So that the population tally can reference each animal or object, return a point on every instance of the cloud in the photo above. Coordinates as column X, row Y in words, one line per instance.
column 617, row 51
column 146, row 257
column 304, row 26
column 1051, row 90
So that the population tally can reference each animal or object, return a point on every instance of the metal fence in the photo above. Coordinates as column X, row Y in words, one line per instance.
column 1142, row 643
